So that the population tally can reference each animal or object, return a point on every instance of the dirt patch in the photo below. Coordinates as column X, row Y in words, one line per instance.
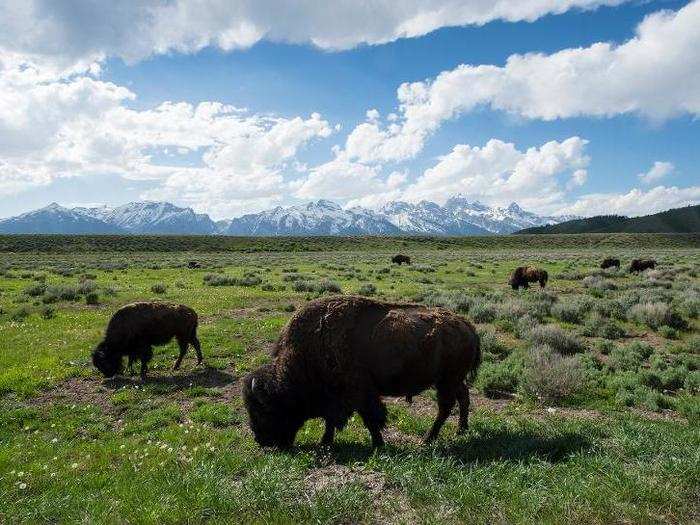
column 389, row 504
column 96, row 391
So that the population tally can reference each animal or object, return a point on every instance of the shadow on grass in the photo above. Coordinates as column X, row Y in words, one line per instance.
column 206, row 377
column 491, row 445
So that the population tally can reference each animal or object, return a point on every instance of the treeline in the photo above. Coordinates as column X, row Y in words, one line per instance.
column 212, row 244
column 679, row 220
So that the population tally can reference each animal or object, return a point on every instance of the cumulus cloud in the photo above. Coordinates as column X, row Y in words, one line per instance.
column 656, row 75
column 635, row 202
column 210, row 155
column 72, row 32
column 500, row 173
column 657, row 172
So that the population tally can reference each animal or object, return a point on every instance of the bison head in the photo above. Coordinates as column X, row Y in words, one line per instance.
column 108, row 363
column 269, row 412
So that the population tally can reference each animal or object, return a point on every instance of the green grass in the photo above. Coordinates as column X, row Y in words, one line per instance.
column 73, row 447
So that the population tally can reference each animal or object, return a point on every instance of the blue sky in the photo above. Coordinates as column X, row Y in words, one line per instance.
column 84, row 127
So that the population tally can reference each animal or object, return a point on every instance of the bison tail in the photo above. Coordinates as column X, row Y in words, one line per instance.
column 471, row 375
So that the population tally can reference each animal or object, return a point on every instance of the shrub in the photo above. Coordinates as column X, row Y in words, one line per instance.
column 524, row 325
column 550, row 377
column 20, row 314
column 289, row 308
column 668, row 332
column 482, row 311
column 655, row 315
column 319, row 287
column 556, row 338
column 35, row 290
column 86, row 287
column 454, row 300
column 512, row 310
column 499, row 379
column 630, row 357
column 367, row 289
column 267, row 287
column 60, row 293
column 596, row 326
column 92, row 298
column 571, row 311
column 595, row 282
column 217, row 279
column 159, row 288
column 47, row 312
column 491, row 344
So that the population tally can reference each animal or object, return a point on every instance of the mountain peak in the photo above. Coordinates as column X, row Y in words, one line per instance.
column 459, row 216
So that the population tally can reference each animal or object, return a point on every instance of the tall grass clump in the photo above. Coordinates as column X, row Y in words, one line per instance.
column 556, row 338
column 656, row 315
column 549, row 377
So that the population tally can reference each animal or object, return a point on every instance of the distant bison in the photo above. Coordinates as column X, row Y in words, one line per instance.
column 610, row 262
column 341, row 354
column 524, row 275
column 136, row 327
column 193, row 265
column 639, row 265
column 400, row 259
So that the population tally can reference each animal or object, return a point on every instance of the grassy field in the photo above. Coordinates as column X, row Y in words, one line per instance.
column 586, row 409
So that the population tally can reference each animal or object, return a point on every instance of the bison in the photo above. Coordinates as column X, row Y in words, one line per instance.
column 400, row 259
column 341, row 354
column 639, row 265
column 193, row 265
column 524, row 275
column 610, row 262
column 136, row 327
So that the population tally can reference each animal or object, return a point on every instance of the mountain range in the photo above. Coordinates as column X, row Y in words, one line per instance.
column 678, row 220
column 458, row 216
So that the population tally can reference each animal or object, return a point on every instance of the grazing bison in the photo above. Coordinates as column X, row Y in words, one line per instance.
column 524, row 275
column 400, row 259
column 610, row 262
column 136, row 327
column 341, row 354
column 193, row 265
column 639, row 265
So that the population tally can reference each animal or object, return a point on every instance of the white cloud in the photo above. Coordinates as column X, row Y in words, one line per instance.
column 341, row 179
column 72, row 32
column 578, row 179
column 499, row 173
column 54, row 126
column 635, row 202
column 657, row 172
column 656, row 75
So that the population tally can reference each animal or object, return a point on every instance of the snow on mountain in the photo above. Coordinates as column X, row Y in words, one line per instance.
column 58, row 220
column 458, row 216
column 315, row 218
column 154, row 218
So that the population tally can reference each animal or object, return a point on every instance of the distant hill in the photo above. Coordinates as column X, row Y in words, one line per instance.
column 679, row 220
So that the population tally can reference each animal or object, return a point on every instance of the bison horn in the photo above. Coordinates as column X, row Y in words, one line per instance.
column 252, row 385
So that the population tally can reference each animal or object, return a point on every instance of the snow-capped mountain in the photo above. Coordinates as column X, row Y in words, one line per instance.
column 56, row 219
column 315, row 218
column 153, row 218
column 458, row 216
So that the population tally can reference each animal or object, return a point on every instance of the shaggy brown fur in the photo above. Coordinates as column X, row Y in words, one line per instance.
column 524, row 275
column 400, row 259
column 136, row 327
column 339, row 355
column 609, row 263
column 639, row 265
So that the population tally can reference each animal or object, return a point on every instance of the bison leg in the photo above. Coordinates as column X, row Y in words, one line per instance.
column 146, row 356
column 373, row 414
column 130, row 365
column 197, row 348
column 183, row 350
column 463, row 400
column 329, row 434
column 542, row 283
column 446, row 401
